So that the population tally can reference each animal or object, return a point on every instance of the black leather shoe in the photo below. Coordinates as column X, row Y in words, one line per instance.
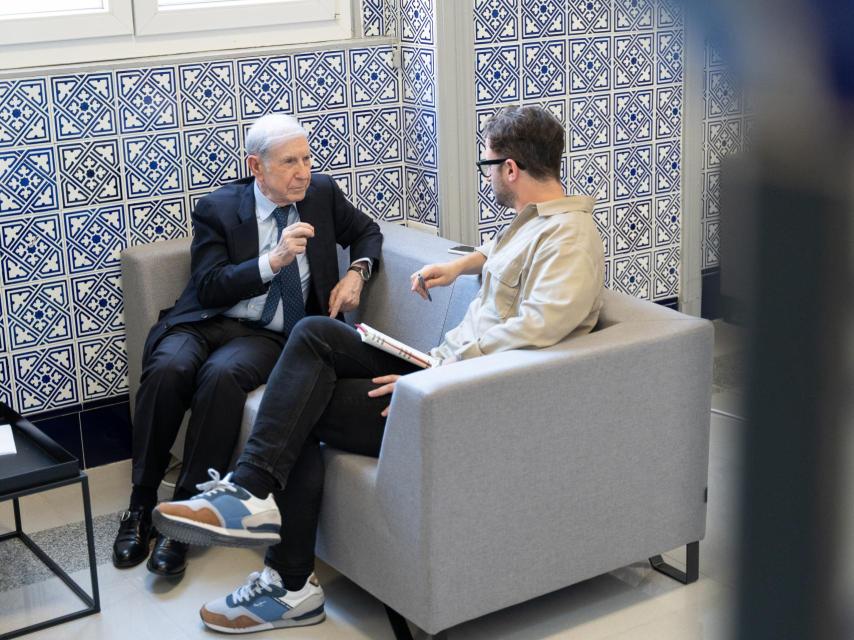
column 168, row 558
column 131, row 544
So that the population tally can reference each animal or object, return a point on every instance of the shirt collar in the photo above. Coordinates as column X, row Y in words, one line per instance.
column 566, row 204
column 264, row 207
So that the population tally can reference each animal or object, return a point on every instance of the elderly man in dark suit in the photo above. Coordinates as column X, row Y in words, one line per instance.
column 263, row 257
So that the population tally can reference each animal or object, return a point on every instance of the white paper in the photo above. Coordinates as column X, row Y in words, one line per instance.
column 7, row 440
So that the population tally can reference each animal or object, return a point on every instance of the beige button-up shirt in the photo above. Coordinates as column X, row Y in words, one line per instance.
column 542, row 281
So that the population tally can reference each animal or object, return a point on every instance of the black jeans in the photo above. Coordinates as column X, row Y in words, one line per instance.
column 317, row 392
column 208, row 367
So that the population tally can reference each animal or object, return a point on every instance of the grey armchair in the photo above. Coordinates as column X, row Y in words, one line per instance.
column 504, row 477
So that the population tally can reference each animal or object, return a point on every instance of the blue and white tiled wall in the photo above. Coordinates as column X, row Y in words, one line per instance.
column 726, row 127
column 94, row 161
column 611, row 71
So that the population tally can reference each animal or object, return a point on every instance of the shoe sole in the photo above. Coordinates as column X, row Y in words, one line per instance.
column 206, row 535
column 165, row 574
column 268, row 626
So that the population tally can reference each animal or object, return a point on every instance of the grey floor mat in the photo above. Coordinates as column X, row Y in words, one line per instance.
column 66, row 545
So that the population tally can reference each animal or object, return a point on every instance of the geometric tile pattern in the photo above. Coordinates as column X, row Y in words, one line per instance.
column 667, row 272
column 321, row 81
column 589, row 64
column 95, row 238
column 670, row 14
column 373, row 22
column 590, row 174
column 417, row 21
column 633, row 61
column 632, row 172
column 98, row 303
column 103, row 367
column 91, row 162
column 38, row 314
column 633, row 15
column 23, row 112
column 722, row 97
column 380, row 193
column 265, row 86
column 632, row 117
column 723, row 138
column 423, row 196
column 158, row 220
column 212, row 156
column 668, row 120
column 543, row 71
column 621, row 102
column 633, row 274
column 725, row 132
column 496, row 20
column 497, row 78
column 152, row 165
column 591, row 123
column 6, row 394
column 377, row 136
column 420, row 137
column 543, row 19
column 670, row 54
column 667, row 216
column 27, row 181
column 589, row 16
column 31, row 249
column 632, row 226
column 373, row 76
column 84, row 106
column 90, row 173
column 329, row 137
column 419, row 76
column 668, row 160
column 45, row 378
column 147, row 99
column 207, row 93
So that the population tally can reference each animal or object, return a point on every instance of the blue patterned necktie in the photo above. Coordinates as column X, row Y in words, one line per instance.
column 285, row 286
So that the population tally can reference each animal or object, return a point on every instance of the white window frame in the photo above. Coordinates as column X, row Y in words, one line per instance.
column 151, row 19
column 115, row 20
column 293, row 23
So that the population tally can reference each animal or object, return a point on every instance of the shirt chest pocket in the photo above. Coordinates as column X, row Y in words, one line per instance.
column 505, row 286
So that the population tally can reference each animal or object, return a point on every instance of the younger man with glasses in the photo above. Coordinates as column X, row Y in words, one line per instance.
column 542, row 281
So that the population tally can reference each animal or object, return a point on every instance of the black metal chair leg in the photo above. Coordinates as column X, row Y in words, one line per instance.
column 692, row 565
column 398, row 624
column 401, row 628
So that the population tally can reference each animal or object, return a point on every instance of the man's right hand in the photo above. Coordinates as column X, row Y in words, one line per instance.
column 435, row 275
column 292, row 243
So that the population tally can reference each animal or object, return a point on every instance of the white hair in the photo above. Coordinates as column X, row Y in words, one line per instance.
column 271, row 129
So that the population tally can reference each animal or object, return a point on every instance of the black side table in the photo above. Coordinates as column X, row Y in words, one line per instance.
column 41, row 465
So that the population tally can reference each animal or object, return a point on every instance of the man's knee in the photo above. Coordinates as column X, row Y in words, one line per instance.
column 314, row 328
column 168, row 373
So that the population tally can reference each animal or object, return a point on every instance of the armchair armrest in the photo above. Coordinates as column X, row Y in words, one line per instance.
column 566, row 461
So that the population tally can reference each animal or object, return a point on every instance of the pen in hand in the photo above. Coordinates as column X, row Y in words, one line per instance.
column 424, row 286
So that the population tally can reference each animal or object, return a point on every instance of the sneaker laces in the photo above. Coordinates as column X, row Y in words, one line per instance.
column 257, row 583
column 215, row 483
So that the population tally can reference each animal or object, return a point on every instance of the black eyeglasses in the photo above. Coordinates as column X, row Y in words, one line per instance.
column 484, row 165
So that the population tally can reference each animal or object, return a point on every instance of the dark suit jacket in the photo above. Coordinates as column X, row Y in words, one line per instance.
column 224, row 252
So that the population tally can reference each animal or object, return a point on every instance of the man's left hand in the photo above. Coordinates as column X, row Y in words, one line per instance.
column 345, row 296
column 387, row 388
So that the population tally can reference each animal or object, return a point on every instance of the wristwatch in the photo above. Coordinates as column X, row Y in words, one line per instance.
column 361, row 269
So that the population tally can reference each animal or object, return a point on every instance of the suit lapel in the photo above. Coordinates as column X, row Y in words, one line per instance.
column 245, row 233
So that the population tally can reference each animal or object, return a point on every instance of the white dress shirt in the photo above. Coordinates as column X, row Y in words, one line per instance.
column 268, row 238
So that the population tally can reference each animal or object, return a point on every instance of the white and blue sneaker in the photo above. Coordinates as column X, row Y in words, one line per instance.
column 263, row 603
column 223, row 514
